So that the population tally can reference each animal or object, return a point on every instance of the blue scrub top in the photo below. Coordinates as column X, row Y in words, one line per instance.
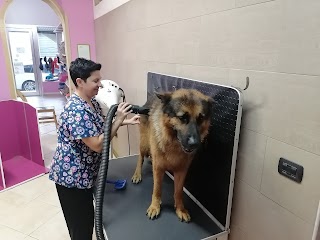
column 74, row 163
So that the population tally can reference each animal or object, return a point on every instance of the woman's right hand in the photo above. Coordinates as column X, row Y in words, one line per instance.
column 123, row 111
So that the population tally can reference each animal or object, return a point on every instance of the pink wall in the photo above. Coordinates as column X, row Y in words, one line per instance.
column 81, row 26
column 81, row 31
column 4, row 85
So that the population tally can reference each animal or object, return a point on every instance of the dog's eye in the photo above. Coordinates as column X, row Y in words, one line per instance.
column 200, row 117
column 184, row 118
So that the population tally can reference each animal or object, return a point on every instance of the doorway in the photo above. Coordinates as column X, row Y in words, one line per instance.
column 23, row 52
column 36, row 44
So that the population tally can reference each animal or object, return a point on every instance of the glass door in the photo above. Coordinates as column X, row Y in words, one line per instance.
column 23, row 57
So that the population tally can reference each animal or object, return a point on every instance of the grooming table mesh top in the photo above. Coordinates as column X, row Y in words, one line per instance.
column 124, row 211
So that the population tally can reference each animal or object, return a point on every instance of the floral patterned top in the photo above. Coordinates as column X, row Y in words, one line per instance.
column 74, row 163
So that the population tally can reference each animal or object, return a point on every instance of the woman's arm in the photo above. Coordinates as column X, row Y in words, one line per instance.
column 134, row 120
column 96, row 143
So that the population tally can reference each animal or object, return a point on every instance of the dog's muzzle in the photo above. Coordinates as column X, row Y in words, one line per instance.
column 192, row 144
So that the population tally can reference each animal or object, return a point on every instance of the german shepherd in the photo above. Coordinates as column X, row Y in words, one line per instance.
column 177, row 125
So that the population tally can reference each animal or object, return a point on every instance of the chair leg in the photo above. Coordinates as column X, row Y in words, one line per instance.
column 55, row 119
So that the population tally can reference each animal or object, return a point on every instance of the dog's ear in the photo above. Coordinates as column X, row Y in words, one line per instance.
column 210, row 102
column 164, row 97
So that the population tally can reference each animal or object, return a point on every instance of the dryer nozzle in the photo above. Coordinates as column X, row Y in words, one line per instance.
column 140, row 110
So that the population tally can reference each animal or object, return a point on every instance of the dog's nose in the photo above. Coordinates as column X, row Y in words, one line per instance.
column 193, row 142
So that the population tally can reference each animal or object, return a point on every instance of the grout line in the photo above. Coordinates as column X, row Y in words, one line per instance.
column 234, row 69
column 179, row 20
column 275, row 139
column 45, row 222
column 199, row 16
column 4, row 225
column 46, row 201
column 254, row 4
column 47, row 133
column 283, row 207
column 264, row 159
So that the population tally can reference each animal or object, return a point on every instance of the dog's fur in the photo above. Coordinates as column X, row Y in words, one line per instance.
column 177, row 124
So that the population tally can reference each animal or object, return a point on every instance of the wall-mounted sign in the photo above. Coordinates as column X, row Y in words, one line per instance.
column 84, row 51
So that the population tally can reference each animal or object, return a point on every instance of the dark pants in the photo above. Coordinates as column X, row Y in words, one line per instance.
column 78, row 211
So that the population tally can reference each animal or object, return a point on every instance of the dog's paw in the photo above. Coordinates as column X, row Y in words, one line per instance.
column 136, row 178
column 153, row 211
column 183, row 215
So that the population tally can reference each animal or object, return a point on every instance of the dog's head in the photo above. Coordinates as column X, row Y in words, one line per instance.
column 187, row 115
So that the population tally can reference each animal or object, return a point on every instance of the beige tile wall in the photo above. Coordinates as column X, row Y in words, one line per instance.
column 277, row 45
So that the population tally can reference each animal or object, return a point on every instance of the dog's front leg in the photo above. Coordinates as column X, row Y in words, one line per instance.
column 137, row 177
column 182, row 213
column 154, row 208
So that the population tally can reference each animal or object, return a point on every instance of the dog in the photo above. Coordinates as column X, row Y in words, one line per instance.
column 177, row 125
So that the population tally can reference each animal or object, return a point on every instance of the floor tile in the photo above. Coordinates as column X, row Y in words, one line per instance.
column 27, row 218
column 34, row 188
column 48, row 143
column 50, row 197
column 10, row 234
column 54, row 229
column 30, row 238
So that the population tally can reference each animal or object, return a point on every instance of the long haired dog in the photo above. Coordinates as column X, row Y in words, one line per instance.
column 177, row 124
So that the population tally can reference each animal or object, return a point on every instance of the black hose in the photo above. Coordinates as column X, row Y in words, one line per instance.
column 103, row 170
column 102, row 174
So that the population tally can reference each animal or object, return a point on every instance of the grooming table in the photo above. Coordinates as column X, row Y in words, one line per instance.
column 124, row 211
column 209, row 182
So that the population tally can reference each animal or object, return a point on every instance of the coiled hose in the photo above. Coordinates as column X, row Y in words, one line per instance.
column 102, row 174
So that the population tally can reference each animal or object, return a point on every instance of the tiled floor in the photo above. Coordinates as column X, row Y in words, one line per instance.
column 32, row 210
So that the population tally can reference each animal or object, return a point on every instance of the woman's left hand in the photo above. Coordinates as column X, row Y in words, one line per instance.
column 132, row 121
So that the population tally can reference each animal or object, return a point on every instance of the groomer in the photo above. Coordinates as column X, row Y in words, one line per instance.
column 77, row 157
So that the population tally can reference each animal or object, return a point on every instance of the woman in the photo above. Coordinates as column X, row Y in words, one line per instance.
column 77, row 158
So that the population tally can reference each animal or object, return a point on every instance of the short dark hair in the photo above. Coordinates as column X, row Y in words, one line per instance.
column 82, row 68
